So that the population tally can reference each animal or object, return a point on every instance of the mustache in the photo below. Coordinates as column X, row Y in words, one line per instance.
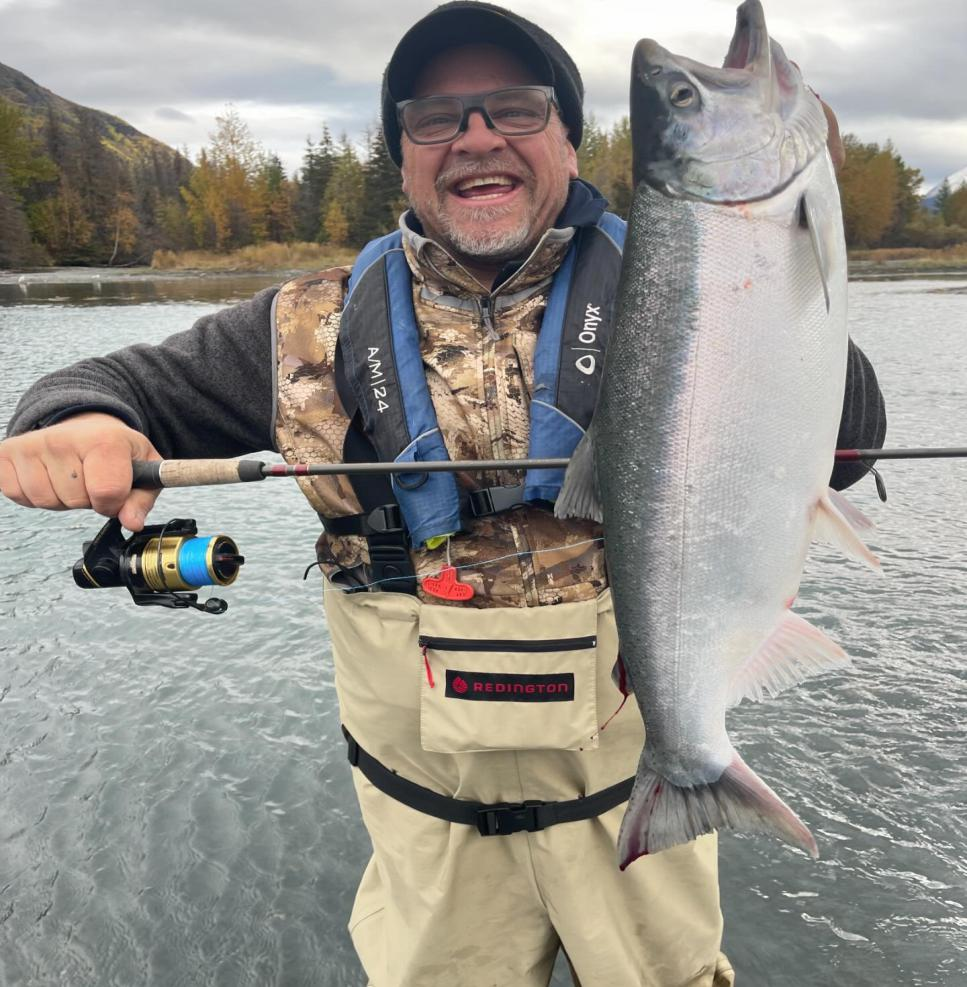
column 483, row 166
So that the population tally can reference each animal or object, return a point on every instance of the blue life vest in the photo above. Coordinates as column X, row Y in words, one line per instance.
column 380, row 367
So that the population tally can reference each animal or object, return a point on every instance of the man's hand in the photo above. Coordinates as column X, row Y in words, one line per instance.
column 84, row 461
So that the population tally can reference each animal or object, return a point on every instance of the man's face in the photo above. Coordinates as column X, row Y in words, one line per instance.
column 500, row 219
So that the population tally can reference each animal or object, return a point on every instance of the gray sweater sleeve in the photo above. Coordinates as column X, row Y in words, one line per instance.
column 863, row 423
column 206, row 392
column 209, row 392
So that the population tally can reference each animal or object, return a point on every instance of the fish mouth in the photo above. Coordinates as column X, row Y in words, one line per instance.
column 720, row 135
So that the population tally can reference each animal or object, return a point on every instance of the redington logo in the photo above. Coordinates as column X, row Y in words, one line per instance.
column 497, row 687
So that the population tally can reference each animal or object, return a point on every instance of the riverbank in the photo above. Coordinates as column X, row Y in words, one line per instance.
column 275, row 262
column 908, row 261
column 258, row 258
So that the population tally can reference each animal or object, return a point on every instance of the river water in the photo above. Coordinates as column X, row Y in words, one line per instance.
column 175, row 804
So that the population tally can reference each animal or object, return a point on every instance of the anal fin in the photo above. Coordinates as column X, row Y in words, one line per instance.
column 794, row 652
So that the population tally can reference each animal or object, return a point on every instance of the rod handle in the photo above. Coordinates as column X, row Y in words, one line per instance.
column 159, row 473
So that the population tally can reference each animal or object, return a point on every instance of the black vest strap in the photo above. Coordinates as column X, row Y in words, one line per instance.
column 491, row 819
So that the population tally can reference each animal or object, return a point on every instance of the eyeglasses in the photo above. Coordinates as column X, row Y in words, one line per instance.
column 512, row 112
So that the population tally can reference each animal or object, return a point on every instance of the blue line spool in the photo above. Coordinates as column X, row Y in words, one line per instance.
column 193, row 561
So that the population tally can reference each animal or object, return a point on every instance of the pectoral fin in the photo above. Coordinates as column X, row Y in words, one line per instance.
column 579, row 493
column 811, row 218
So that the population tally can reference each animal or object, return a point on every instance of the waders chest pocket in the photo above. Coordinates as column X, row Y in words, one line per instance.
column 508, row 679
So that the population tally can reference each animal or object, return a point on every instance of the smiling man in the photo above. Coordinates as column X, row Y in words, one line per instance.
column 472, row 631
column 487, row 192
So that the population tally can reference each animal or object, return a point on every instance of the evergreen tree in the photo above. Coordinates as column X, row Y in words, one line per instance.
column 275, row 196
column 15, row 247
column 383, row 200
column 345, row 190
column 943, row 194
column 955, row 208
column 317, row 166
column 907, row 204
column 23, row 166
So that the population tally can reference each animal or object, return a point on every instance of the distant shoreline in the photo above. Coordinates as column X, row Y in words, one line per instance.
column 283, row 262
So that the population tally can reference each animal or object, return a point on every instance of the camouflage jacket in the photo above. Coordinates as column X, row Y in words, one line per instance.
column 480, row 378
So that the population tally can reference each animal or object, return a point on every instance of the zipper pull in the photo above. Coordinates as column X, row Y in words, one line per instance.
column 426, row 662
column 487, row 316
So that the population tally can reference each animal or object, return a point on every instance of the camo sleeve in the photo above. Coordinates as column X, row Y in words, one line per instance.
column 205, row 392
column 863, row 425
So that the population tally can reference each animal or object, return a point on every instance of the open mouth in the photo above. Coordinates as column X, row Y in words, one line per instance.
column 486, row 188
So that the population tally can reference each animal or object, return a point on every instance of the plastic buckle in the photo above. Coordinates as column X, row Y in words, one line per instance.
column 385, row 519
column 492, row 500
column 353, row 747
column 509, row 817
column 391, row 567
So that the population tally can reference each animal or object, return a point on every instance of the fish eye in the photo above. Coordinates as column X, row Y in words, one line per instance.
column 682, row 95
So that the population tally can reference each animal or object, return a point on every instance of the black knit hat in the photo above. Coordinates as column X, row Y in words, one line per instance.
column 465, row 22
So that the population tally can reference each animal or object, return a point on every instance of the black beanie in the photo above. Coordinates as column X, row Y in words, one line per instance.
column 465, row 22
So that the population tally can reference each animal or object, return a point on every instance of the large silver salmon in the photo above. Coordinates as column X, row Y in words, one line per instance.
column 711, row 447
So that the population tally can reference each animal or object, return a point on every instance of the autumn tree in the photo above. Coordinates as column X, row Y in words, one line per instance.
column 126, row 226
column 869, row 186
column 223, row 198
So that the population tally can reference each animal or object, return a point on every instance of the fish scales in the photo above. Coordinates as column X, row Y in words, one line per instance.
column 712, row 443
column 699, row 412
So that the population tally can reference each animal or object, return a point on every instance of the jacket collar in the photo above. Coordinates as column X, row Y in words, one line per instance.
column 437, row 270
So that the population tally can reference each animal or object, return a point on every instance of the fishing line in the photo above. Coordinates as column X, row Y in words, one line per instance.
column 328, row 587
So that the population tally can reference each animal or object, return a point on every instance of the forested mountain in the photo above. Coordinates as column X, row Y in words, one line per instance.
column 86, row 187
column 78, row 186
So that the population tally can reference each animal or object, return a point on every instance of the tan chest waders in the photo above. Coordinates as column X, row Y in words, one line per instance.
column 508, row 679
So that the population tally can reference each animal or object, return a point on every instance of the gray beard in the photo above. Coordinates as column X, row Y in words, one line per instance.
column 489, row 245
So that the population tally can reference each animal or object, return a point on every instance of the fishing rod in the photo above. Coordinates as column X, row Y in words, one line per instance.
column 204, row 472
column 164, row 565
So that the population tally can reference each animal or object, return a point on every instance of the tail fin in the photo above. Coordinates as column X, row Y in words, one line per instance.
column 662, row 815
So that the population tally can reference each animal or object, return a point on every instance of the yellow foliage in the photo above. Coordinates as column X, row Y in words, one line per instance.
column 335, row 224
column 260, row 257
column 869, row 185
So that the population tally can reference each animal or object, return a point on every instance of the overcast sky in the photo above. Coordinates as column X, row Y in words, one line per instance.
column 890, row 68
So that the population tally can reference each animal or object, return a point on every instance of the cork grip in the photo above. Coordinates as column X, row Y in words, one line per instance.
column 194, row 472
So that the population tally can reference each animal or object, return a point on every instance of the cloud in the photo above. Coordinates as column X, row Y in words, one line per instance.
column 169, row 113
column 880, row 63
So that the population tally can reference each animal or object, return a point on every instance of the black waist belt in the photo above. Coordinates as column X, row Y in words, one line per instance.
column 494, row 819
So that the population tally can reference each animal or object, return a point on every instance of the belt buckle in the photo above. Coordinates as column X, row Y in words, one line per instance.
column 493, row 500
column 505, row 818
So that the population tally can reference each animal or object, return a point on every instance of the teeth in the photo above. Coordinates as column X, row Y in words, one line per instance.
column 483, row 180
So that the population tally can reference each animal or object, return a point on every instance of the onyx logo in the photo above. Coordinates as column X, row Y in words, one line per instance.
column 589, row 337
column 377, row 379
